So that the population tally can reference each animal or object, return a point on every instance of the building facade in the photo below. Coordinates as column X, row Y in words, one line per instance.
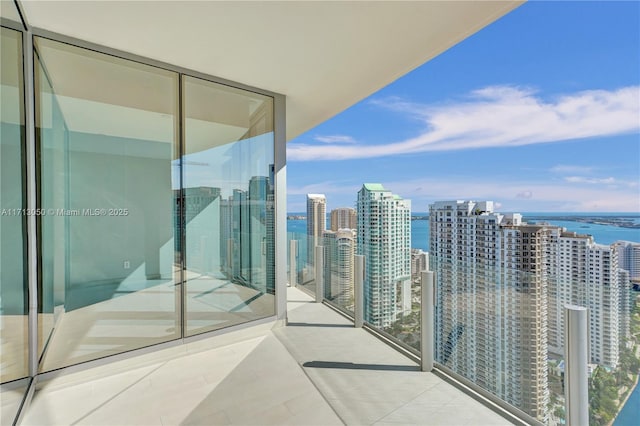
column 316, row 225
column 491, row 290
column 343, row 218
column 587, row 275
column 339, row 252
column 384, row 239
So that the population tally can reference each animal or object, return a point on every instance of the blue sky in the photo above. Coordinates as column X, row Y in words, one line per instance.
column 540, row 111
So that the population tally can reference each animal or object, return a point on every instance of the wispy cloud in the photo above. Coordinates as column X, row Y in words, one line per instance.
column 497, row 116
column 524, row 194
column 519, row 196
column 335, row 139
column 582, row 179
column 610, row 181
column 570, row 169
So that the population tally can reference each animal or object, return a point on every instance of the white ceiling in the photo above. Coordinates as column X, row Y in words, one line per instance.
column 324, row 56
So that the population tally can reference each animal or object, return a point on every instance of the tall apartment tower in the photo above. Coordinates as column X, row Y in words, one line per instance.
column 316, row 223
column 339, row 251
column 629, row 258
column 343, row 218
column 419, row 263
column 384, row 238
column 603, row 300
column 491, row 287
column 625, row 302
column 587, row 275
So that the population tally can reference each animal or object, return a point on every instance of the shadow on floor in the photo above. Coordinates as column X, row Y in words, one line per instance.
column 309, row 324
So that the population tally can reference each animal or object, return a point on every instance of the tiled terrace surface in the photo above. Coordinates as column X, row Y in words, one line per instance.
column 317, row 371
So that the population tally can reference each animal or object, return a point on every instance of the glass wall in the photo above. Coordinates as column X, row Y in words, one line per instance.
column 13, row 283
column 107, row 134
column 228, row 188
column 13, row 291
column 155, row 209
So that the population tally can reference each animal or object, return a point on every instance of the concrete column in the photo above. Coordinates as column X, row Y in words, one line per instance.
column 576, row 370
column 427, row 308
column 319, row 267
column 358, row 291
column 280, row 211
column 293, row 263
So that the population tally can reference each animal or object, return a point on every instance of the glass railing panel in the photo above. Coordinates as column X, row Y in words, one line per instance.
column 305, row 262
column 339, row 268
column 491, row 329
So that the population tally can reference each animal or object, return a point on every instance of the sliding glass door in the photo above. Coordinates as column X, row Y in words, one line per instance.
column 228, row 192
column 156, row 212
column 107, row 134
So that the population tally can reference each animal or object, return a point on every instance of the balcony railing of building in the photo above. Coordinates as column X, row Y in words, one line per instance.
column 494, row 329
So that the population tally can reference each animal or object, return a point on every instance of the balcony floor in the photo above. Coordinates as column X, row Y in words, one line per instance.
column 318, row 370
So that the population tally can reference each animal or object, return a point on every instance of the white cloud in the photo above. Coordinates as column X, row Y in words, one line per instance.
column 514, row 196
column 566, row 168
column 582, row 179
column 520, row 196
column 600, row 181
column 524, row 194
column 335, row 139
column 497, row 116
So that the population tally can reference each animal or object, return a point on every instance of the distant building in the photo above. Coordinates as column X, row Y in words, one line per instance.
column 384, row 238
column 625, row 303
column 419, row 263
column 316, row 223
column 491, row 322
column 339, row 252
column 587, row 275
column 343, row 218
column 629, row 258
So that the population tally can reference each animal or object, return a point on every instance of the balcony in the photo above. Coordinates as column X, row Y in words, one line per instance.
column 318, row 369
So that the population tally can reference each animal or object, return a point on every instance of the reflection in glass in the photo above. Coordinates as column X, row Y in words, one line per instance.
column 228, row 179
column 106, row 130
column 8, row 10
column 339, row 264
column 12, row 396
column 13, row 284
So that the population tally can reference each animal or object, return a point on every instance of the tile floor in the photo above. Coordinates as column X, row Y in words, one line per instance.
column 317, row 371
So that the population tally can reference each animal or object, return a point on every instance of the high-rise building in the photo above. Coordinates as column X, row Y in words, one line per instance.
column 339, row 251
column 343, row 218
column 384, row 238
column 491, row 297
column 587, row 275
column 603, row 302
column 629, row 258
column 316, row 223
column 625, row 303
column 419, row 263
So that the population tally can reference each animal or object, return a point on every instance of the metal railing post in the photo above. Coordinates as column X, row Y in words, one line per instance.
column 576, row 369
column 358, row 291
column 293, row 263
column 426, row 319
column 319, row 266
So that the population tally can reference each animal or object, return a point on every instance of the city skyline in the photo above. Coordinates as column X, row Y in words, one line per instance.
column 567, row 93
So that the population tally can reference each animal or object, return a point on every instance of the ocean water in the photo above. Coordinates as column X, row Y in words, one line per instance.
column 602, row 234
column 630, row 414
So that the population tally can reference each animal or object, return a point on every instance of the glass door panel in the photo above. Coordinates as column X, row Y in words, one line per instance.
column 107, row 134
column 228, row 180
